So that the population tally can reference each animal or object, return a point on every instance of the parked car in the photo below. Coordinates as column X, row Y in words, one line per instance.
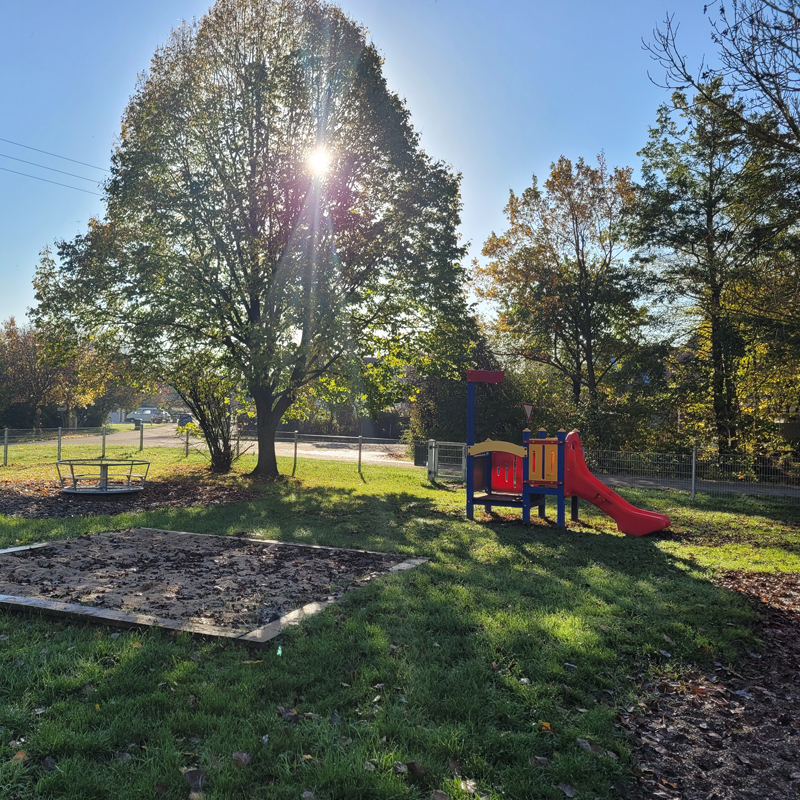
column 185, row 419
column 145, row 414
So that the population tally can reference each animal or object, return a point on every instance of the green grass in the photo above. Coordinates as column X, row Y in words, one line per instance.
column 468, row 656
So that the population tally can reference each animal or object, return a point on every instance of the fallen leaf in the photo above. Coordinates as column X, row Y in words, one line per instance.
column 400, row 768
column 567, row 665
column 49, row 764
column 257, row 661
column 455, row 767
column 195, row 778
column 242, row 758
column 665, row 653
column 668, row 640
column 308, row 796
column 289, row 714
column 334, row 718
column 122, row 757
column 547, row 727
column 20, row 758
column 369, row 766
column 567, row 789
column 415, row 768
column 438, row 794
column 540, row 761
column 584, row 744
column 137, row 644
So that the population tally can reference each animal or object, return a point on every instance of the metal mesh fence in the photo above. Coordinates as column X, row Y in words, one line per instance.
column 47, row 445
column 447, row 460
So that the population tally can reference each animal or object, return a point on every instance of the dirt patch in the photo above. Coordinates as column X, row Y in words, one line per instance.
column 227, row 582
column 43, row 499
column 725, row 734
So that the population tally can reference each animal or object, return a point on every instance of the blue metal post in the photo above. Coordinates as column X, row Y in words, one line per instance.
column 560, row 517
column 470, row 442
column 542, row 506
column 526, row 489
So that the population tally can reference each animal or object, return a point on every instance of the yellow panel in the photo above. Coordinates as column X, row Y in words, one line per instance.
column 496, row 447
column 551, row 462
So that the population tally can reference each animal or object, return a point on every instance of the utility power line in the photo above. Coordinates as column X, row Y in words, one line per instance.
column 55, row 155
column 52, row 169
column 36, row 178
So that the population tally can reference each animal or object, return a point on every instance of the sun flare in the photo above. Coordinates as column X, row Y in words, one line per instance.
column 319, row 161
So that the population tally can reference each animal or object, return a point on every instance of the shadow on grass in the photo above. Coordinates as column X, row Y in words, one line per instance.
column 507, row 628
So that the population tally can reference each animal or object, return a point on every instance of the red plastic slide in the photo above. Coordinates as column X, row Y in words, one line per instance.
column 578, row 481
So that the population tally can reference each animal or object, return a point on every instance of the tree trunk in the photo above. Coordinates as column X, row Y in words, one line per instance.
column 721, row 389
column 268, row 415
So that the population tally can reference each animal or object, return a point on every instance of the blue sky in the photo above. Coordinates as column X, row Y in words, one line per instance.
column 497, row 90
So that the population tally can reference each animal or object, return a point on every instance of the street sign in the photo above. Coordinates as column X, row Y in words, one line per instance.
column 528, row 409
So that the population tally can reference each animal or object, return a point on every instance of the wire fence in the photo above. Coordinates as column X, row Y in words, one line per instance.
column 45, row 445
column 696, row 472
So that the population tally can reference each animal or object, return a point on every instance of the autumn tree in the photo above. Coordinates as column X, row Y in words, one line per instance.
column 707, row 213
column 566, row 293
column 269, row 198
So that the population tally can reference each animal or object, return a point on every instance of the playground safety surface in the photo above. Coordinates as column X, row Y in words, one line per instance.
column 722, row 732
column 223, row 586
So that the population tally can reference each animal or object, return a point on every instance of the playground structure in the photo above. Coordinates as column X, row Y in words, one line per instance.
column 101, row 476
column 521, row 476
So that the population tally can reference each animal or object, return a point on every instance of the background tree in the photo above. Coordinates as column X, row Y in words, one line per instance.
column 567, row 295
column 758, row 47
column 269, row 198
column 707, row 211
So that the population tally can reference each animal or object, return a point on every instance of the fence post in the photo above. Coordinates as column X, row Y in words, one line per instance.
column 464, row 464
column 141, row 435
column 186, row 445
column 694, row 471
column 431, row 460
column 360, row 442
column 59, row 445
column 294, row 465
column 103, row 453
column 5, row 447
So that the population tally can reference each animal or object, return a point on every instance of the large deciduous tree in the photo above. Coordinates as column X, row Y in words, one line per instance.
column 270, row 201
column 567, row 294
column 708, row 211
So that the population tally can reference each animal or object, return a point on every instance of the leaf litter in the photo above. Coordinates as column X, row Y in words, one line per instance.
column 221, row 581
column 723, row 732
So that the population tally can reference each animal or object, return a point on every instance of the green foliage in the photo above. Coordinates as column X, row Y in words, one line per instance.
column 710, row 215
column 221, row 233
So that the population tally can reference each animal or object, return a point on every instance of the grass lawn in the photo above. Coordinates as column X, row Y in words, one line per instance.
column 493, row 659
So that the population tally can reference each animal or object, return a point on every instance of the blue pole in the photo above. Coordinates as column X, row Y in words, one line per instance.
column 560, row 520
column 470, row 442
column 526, row 489
column 542, row 506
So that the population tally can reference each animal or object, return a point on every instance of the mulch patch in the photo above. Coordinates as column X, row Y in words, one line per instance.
column 725, row 734
column 224, row 581
column 43, row 499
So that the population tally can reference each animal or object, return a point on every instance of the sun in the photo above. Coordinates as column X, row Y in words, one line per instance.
column 319, row 161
